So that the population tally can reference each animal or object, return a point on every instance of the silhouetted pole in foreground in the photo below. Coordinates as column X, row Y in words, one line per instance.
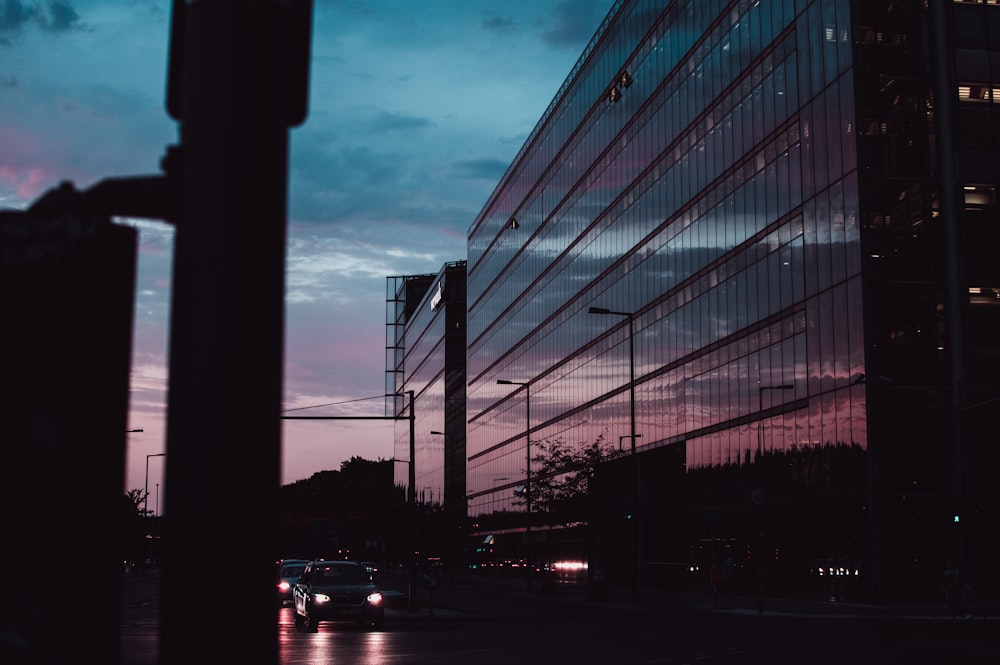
column 237, row 82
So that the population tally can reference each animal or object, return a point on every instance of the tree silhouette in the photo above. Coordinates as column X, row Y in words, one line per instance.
column 134, row 502
column 561, row 476
column 134, row 525
column 356, row 508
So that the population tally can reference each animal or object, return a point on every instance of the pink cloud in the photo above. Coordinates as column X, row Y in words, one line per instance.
column 26, row 183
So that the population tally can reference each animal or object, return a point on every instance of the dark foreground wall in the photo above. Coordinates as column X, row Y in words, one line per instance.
column 66, row 303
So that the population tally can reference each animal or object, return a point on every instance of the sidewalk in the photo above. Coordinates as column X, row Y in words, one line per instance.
column 469, row 598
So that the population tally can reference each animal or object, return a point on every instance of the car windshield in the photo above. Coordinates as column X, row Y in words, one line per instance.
column 293, row 570
column 334, row 575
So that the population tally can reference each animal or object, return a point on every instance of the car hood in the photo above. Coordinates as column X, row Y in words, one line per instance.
column 343, row 588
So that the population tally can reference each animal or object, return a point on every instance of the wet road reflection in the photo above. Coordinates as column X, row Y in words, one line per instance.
column 336, row 642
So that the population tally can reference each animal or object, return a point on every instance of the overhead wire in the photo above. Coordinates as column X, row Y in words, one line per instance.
column 316, row 406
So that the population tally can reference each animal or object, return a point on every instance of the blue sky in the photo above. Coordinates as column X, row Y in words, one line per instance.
column 416, row 109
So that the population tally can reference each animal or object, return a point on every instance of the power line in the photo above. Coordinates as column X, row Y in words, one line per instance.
column 316, row 406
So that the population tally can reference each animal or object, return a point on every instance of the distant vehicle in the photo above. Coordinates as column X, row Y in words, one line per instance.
column 336, row 591
column 371, row 567
column 288, row 574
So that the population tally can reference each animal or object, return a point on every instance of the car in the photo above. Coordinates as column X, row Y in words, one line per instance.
column 336, row 591
column 288, row 574
column 371, row 567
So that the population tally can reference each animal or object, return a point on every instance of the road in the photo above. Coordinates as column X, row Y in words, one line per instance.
column 504, row 626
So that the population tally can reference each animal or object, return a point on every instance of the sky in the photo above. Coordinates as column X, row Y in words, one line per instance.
column 416, row 109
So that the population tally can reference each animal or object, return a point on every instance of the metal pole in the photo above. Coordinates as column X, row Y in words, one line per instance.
column 637, row 490
column 412, row 501
column 637, row 583
column 760, row 420
column 527, row 485
column 527, row 474
column 145, row 488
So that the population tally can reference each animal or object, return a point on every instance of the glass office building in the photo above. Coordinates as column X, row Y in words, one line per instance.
column 746, row 252
column 425, row 361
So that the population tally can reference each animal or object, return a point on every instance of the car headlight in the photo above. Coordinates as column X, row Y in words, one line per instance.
column 284, row 586
column 321, row 598
column 374, row 598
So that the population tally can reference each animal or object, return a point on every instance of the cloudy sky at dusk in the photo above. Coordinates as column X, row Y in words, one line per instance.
column 416, row 109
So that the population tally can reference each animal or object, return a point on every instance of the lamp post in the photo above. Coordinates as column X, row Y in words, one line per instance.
column 412, row 501
column 626, row 436
column 527, row 471
column 145, row 489
column 444, row 436
column 453, row 494
column 631, row 363
column 632, row 436
column 411, row 505
column 145, row 506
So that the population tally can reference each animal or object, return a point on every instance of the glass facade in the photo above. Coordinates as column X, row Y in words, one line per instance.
column 716, row 178
column 427, row 334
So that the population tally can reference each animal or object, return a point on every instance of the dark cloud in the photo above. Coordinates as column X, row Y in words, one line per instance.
column 14, row 15
column 59, row 17
column 499, row 24
column 50, row 16
column 385, row 121
column 355, row 7
column 338, row 181
column 486, row 169
column 152, row 6
column 574, row 23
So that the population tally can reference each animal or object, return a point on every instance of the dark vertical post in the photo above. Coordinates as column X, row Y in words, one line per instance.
column 527, row 476
column 636, row 477
column 232, row 87
column 527, row 486
column 411, row 500
column 639, row 510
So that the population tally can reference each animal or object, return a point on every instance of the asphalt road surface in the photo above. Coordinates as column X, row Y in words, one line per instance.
column 482, row 624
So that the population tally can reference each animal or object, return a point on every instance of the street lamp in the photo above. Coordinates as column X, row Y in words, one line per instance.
column 760, row 408
column 411, row 496
column 454, row 493
column 632, row 435
column 527, row 470
column 451, row 472
column 411, row 501
column 145, row 506
column 626, row 436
